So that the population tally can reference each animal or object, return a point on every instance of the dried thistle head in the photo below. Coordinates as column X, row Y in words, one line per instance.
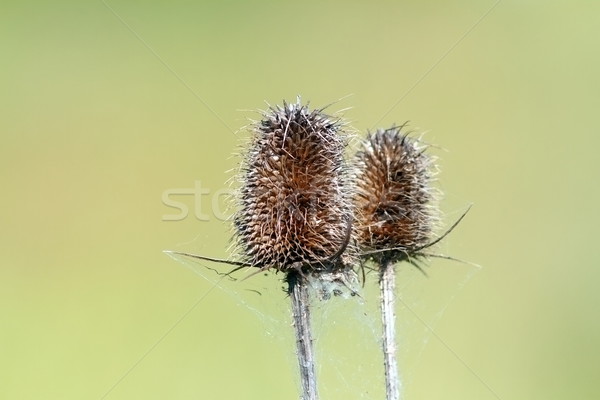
column 393, row 198
column 294, row 213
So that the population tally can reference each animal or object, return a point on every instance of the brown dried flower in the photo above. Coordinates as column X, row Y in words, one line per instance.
column 294, row 211
column 393, row 199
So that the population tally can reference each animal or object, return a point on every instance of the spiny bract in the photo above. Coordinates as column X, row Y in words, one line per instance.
column 294, row 211
column 393, row 196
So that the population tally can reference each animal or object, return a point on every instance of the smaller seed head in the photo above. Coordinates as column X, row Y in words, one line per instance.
column 394, row 198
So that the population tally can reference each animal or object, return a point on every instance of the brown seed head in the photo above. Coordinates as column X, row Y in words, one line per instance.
column 393, row 194
column 294, row 211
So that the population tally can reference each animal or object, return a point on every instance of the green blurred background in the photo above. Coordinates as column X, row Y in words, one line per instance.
column 105, row 106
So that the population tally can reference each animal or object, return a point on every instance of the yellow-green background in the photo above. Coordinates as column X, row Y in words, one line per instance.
column 95, row 128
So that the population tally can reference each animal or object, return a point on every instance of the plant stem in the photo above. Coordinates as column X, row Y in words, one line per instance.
column 387, row 285
column 298, row 291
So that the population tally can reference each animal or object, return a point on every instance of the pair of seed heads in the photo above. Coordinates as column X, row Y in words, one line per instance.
column 304, row 208
column 306, row 211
